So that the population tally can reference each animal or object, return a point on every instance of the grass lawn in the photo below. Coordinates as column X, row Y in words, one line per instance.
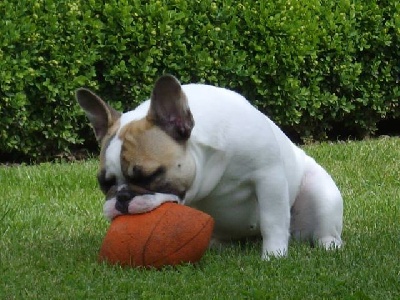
column 51, row 228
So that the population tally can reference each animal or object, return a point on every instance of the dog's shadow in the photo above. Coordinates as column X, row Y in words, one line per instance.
column 242, row 246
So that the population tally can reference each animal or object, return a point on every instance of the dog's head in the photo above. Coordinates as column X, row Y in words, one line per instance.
column 142, row 154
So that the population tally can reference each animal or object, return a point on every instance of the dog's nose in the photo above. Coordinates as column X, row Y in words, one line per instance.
column 123, row 207
column 125, row 195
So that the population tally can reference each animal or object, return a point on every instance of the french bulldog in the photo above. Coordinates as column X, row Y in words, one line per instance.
column 209, row 148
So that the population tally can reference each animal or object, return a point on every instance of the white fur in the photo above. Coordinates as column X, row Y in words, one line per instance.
column 138, row 205
column 112, row 158
column 249, row 175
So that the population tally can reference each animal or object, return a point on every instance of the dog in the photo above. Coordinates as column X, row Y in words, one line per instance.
column 209, row 148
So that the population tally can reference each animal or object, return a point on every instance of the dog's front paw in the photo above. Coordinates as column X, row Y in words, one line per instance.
column 267, row 255
column 330, row 243
column 278, row 250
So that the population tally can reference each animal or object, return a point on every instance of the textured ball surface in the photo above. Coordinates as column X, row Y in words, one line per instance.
column 169, row 235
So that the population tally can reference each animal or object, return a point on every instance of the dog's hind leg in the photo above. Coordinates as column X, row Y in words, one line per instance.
column 317, row 213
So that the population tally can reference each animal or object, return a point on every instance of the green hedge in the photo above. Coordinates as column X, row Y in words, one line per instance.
column 315, row 67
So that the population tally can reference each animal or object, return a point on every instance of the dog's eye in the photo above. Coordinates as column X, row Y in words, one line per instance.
column 105, row 183
column 142, row 179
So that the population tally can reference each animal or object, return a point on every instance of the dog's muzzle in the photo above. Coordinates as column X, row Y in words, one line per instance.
column 123, row 197
column 124, row 194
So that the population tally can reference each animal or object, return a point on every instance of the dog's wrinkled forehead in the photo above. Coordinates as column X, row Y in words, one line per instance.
column 137, row 146
column 110, row 156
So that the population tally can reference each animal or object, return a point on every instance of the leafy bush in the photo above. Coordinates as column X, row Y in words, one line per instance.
column 45, row 54
column 316, row 68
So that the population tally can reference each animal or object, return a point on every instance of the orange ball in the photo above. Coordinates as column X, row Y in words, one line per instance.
column 169, row 235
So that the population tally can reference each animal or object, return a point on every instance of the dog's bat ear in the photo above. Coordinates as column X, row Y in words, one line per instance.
column 100, row 114
column 169, row 108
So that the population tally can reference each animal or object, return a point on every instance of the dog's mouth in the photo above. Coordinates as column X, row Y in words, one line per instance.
column 123, row 195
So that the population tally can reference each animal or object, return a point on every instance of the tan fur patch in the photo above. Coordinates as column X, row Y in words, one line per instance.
column 149, row 158
column 146, row 146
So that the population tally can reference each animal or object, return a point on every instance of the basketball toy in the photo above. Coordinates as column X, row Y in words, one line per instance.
column 171, row 234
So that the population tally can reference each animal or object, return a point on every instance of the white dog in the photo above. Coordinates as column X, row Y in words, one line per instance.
column 208, row 148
